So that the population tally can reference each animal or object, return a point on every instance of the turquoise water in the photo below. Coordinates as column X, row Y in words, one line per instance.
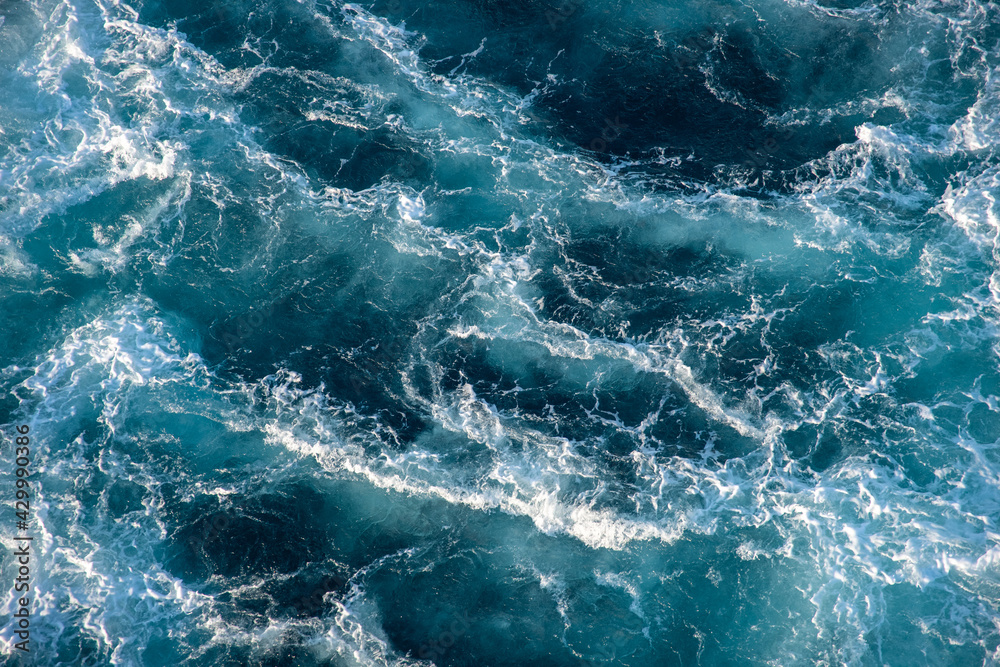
column 503, row 333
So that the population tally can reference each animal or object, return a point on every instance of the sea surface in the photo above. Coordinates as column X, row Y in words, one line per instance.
column 502, row 332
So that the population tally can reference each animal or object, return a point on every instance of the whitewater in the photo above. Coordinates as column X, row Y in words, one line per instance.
column 469, row 332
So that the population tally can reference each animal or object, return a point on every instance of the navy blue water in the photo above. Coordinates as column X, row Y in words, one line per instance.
column 469, row 332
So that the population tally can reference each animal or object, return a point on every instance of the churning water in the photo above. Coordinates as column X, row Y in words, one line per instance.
column 503, row 332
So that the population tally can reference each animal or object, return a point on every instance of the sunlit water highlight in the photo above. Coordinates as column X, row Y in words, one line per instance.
column 504, row 333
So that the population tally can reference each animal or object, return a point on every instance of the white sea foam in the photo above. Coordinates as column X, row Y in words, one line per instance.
column 105, row 576
column 847, row 533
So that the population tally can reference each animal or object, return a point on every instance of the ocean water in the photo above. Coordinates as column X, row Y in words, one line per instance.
column 481, row 332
